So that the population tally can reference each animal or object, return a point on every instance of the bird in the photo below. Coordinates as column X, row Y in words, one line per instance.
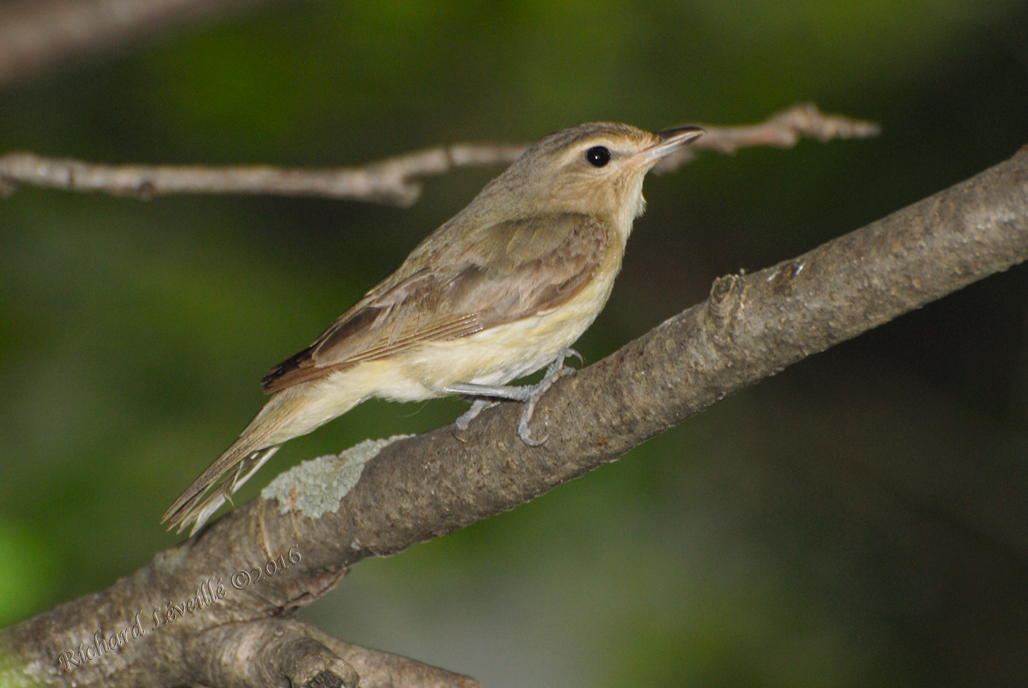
column 501, row 290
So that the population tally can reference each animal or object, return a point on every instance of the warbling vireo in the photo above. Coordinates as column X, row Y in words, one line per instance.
column 499, row 291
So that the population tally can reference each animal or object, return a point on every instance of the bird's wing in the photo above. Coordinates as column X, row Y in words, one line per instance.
column 497, row 274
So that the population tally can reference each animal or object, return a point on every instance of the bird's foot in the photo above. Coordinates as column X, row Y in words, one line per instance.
column 485, row 395
column 461, row 424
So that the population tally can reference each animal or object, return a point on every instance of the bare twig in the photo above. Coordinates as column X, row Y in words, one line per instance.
column 781, row 130
column 36, row 35
column 388, row 181
column 751, row 327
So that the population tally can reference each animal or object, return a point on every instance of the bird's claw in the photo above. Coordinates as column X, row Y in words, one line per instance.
column 460, row 425
column 555, row 371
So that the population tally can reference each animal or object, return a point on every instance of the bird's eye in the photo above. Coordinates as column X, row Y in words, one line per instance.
column 598, row 156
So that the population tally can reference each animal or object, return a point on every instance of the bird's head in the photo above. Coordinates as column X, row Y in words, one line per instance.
column 595, row 169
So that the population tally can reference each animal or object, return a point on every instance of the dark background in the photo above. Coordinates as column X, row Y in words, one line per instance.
column 859, row 520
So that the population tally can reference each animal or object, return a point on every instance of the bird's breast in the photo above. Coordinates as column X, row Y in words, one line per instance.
column 505, row 352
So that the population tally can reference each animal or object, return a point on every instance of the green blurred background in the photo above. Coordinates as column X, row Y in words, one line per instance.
column 858, row 520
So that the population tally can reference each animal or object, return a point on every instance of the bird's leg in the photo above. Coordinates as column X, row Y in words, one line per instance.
column 555, row 371
column 485, row 395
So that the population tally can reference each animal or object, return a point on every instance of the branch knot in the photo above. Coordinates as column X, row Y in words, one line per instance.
column 725, row 299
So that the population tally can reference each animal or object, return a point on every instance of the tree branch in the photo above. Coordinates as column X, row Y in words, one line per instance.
column 782, row 130
column 38, row 35
column 389, row 181
column 751, row 327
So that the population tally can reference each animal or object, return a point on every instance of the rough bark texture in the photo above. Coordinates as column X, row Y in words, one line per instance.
column 751, row 327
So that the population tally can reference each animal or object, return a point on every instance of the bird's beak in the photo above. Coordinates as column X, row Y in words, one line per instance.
column 668, row 141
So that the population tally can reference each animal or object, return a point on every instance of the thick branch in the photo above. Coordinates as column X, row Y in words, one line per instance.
column 36, row 35
column 388, row 181
column 751, row 327
column 258, row 654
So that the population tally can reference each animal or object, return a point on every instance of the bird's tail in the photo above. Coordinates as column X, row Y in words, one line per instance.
column 257, row 443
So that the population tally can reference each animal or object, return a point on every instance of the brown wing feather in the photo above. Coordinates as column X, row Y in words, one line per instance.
column 501, row 273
